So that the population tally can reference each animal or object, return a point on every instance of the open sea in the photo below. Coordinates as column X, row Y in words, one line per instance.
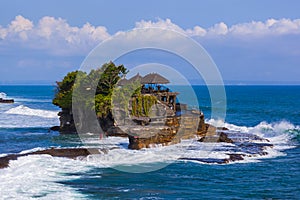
column 270, row 112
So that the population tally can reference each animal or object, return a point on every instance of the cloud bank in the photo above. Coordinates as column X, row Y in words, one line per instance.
column 58, row 37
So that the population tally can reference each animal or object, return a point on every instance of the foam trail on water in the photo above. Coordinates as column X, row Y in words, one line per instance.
column 24, row 110
column 38, row 176
column 20, row 100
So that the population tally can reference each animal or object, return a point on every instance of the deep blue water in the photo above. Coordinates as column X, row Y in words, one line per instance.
column 277, row 177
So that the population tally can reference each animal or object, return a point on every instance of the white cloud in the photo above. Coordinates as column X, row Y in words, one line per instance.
column 218, row 29
column 53, row 34
column 58, row 36
column 269, row 27
column 196, row 31
column 19, row 27
column 163, row 24
column 3, row 33
column 20, row 24
column 254, row 28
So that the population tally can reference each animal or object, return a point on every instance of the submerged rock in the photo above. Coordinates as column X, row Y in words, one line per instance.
column 232, row 158
column 65, row 152
column 6, row 100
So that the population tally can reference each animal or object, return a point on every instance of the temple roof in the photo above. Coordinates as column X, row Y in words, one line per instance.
column 154, row 78
column 137, row 77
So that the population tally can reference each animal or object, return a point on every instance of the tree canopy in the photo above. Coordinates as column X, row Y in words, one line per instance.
column 104, row 79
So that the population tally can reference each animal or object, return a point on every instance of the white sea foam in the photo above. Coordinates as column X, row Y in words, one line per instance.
column 24, row 110
column 273, row 134
column 2, row 95
column 25, row 117
column 38, row 176
column 32, row 150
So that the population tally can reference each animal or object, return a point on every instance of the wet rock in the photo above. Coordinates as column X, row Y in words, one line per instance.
column 219, row 137
column 65, row 152
column 232, row 158
column 206, row 160
column 54, row 128
column 6, row 100
column 223, row 128
column 253, row 148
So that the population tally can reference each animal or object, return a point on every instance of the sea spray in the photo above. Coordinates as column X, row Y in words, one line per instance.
column 24, row 110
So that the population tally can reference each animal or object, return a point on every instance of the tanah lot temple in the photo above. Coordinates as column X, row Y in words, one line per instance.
column 154, row 115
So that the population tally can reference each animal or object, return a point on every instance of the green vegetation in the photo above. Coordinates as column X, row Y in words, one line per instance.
column 63, row 97
column 141, row 105
column 101, row 85
column 103, row 80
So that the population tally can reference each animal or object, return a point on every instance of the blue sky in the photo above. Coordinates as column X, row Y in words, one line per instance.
column 250, row 41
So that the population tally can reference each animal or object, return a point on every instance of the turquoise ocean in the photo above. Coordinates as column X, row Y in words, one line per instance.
column 270, row 112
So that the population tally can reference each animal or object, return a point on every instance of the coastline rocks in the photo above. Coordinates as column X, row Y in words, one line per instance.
column 164, row 136
column 54, row 128
column 232, row 158
column 218, row 137
column 171, row 132
column 72, row 153
column 67, row 124
column 6, row 100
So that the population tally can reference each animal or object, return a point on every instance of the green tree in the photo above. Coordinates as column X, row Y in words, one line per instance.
column 104, row 79
column 64, row 90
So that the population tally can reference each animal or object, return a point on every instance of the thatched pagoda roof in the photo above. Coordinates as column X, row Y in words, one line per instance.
column 154, row 78
column 137, row 77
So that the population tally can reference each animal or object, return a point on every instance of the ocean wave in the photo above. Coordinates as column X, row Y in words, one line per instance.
column 38, row 176
column 265, row 140
column 2, row 95
column 273, row 140
column 263, row 129
column 24, row 110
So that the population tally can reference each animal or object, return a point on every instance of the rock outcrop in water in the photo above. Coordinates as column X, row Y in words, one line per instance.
column 66, row 152
column 6, row 100
column 173, row 131
column 141, row 108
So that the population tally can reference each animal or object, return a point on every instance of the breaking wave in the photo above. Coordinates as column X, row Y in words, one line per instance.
column 39, row 176
column 43, row 172
column 271, row 131
column 25, row 117
column 2, row 95
column 24, row 110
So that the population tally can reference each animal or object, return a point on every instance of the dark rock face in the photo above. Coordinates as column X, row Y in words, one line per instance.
column 55, row 128
column 86, row 123
column 67, row 124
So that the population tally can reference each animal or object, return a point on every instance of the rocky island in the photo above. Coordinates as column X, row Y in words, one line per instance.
column 140, row 108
